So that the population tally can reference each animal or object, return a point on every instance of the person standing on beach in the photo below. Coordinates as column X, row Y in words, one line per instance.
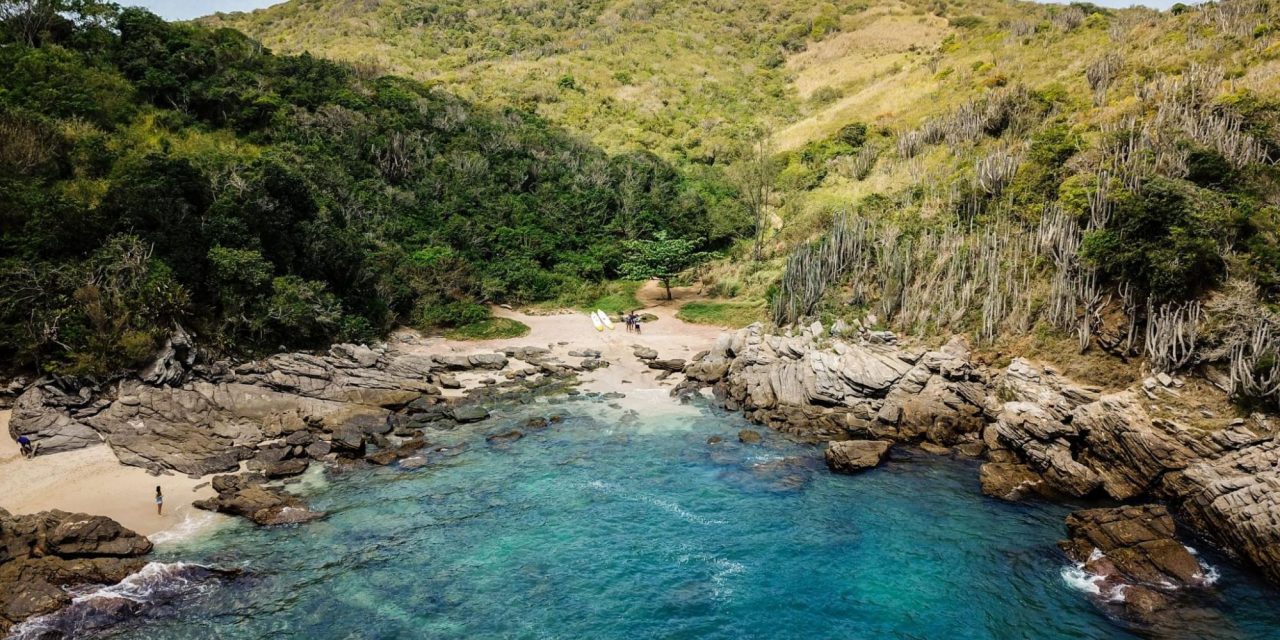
column 159, row 502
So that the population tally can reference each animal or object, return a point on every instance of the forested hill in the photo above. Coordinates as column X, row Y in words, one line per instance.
column 155, row 173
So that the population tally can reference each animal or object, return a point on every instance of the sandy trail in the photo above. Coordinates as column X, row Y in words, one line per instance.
column 92, row 480
column 573, row 331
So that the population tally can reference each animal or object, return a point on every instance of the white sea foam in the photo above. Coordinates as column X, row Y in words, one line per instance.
column 90, row 607
column 196, row 522
column 1077, row 578
column 662, row 503
column 721, row 570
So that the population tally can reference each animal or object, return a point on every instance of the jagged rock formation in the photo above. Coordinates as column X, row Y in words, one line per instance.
column 43, row 553
column 1041, row 433
column 1133, row 556
column 275, row 413
column 849, row 390
column 248, row 496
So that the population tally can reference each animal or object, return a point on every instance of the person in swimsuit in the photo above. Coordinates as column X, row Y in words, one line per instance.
column 159, row 502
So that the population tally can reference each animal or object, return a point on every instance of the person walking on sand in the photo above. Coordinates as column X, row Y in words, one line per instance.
column 159, row 502
column 636, row 320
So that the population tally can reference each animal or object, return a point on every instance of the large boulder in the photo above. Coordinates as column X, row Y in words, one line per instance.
column 1133, row 558
column 43, row 554
column 47, row 415
column 249, row 497
column 852, row 456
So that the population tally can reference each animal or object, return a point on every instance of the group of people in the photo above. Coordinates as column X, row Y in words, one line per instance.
column 633, row 322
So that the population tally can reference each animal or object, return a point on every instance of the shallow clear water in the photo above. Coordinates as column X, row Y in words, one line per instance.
column 600, row 528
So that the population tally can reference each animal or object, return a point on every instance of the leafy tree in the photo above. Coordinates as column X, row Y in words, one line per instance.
column 662, row 257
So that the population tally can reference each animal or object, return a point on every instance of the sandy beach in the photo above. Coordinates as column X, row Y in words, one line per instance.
column 92, row 480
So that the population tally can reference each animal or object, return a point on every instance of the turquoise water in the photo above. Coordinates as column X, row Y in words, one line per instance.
column 614, row 528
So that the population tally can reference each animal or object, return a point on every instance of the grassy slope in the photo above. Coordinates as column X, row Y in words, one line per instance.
column 678, row 78
column 683, row 78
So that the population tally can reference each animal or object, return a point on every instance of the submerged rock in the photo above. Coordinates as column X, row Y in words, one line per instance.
column 852, row 456
column 505, row 437
column 747, row 436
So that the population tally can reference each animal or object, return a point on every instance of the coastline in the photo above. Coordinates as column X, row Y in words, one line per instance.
column 93, row 481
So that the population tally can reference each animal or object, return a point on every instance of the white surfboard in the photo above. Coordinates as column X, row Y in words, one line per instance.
column 604, row 317
column 595, row 321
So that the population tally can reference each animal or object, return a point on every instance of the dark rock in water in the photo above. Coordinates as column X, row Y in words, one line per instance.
column 245, row 495
column 715, row 440
column 556, row 419
column 157, row 584
column 389, row 455
column 613, row 395
column 1137, row 542
column 674, row 365
column 535, row 423
column 285, row 468
column 42, row 553
column 505, row 437
column 383, row 458
column 851, row 456
column 1011, row 481
column 748, row 436
column 469, row 413
column 1134, row 558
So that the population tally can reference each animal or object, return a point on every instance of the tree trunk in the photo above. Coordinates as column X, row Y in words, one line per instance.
column 666, row 282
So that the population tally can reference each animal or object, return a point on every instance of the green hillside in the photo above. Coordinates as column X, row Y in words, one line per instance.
column 1104, row 178
column 156, row 174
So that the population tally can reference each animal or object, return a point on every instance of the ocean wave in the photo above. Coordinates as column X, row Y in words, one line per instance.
column 97, row 607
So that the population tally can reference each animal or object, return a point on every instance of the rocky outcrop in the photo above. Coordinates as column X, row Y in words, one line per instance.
column 1011, row 481
column 852, row 456
column 249, row 496
column 200, row 419
column 1235, row 499
column 1132, row 556
column 847, row 390
column 43, row 554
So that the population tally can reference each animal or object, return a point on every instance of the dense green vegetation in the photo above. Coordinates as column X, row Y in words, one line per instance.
column 155, row 173
column 681, row 79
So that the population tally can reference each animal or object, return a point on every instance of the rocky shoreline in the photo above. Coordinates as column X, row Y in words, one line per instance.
column 1039, row 433
column 263, row 422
